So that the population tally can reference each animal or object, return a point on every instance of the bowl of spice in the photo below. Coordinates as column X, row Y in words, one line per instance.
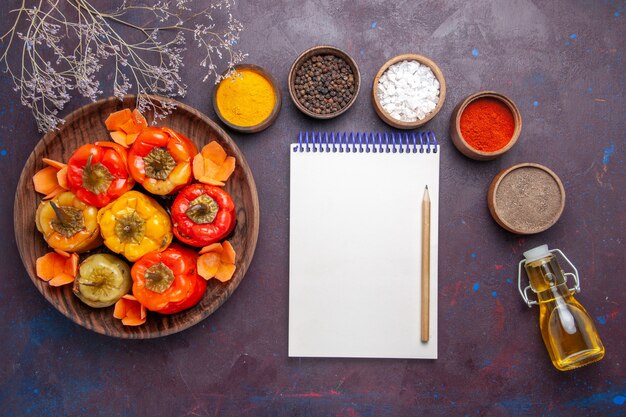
column 408, row 91
column 485, row 125
column 526, row 198
column 248, row 101
column 324, row 82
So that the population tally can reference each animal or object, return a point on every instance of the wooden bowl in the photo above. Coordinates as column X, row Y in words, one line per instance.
column 455, row 126
column 86, row 125
column 273, row 115
column 323, row 50
column 526, row 198
column 386, row 117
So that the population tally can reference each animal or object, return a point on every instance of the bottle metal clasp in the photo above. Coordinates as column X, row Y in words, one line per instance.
column 524, row 291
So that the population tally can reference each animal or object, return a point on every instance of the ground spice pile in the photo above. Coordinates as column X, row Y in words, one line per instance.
column 487, row 124
column 324, row 84
column 245, row 99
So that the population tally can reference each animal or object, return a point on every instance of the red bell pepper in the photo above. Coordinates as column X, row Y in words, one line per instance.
column 160, row 160
column 97, row 173
column 167, row 282
column 203, row 214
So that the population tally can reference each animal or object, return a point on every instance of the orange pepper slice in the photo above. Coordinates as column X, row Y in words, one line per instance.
column 125, row 126
column 53, row 163
column 118, row 118
column 130, row 311
column 57, row 268
column 51, row 180
column 212, row 165
column 217, row 261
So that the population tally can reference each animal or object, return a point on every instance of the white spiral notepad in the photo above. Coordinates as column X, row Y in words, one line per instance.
column 355, row 244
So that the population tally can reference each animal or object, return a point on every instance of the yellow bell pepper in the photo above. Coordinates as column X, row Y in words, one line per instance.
column 68, row 224
column 134, row 225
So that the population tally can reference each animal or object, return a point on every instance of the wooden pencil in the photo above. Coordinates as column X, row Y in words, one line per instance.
column 425, row 265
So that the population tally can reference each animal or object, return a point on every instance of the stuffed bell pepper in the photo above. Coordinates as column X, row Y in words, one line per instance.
column 167, row 282
column 68, row 224
column 98, row 174
column 202, row 214
column 160, row 160
column 134, row 225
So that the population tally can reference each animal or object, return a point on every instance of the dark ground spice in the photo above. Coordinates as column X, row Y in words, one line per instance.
column 528, row 199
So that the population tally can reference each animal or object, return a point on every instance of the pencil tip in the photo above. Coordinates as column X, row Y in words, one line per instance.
column 427, row 186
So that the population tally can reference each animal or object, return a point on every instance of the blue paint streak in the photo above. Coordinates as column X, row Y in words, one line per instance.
column 36, row 391
column 535, row 103
column 475, row 52
column 573, row 36
column 517, row 406
column 508, row 280
column 473, row 255
column 616, row 14
column 494, row 294
column 46, row 327
column 608, row 151
column 567, row 43
column 593, row 401
column 619, row 400
column 435, row 395
column 602, row 320
column 3, row 152
column 374, row 24
column 590, row 89
column 476, row 286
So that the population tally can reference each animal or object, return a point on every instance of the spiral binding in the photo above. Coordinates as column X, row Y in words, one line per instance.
column 381, row 142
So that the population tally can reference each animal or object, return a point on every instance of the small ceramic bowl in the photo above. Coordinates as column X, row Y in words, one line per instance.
column 526, row 198
column 455, row 126
column 386, row 117
column 323, row 50
column 273, row 115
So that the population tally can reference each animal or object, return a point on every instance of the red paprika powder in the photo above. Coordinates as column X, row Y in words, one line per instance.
column 487, row 124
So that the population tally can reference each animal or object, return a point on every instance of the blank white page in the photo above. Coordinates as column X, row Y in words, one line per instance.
column 355, row 254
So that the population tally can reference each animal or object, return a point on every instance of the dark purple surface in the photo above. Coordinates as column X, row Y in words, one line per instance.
column 560, row 61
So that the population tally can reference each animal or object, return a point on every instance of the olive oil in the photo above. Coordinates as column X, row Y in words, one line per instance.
column 567, row 330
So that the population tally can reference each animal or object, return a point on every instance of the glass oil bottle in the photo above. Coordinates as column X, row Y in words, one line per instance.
column 567, row 330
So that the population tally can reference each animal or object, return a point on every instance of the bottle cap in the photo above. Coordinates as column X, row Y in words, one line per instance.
column 536, row 253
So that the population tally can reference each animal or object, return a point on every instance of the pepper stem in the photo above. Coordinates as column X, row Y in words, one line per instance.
column 202, row 209
column 96, row 177
column 159, row 163
column 130, row 228
column 159, row 278
column 61, row 216
column 69, row 220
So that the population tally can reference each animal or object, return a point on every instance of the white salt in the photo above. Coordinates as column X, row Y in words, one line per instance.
column 408, row 91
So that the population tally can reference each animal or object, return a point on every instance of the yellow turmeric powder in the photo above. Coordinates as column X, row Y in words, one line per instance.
column 246, row 99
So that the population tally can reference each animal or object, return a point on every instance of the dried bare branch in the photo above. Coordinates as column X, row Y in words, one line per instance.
column 66, row 43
